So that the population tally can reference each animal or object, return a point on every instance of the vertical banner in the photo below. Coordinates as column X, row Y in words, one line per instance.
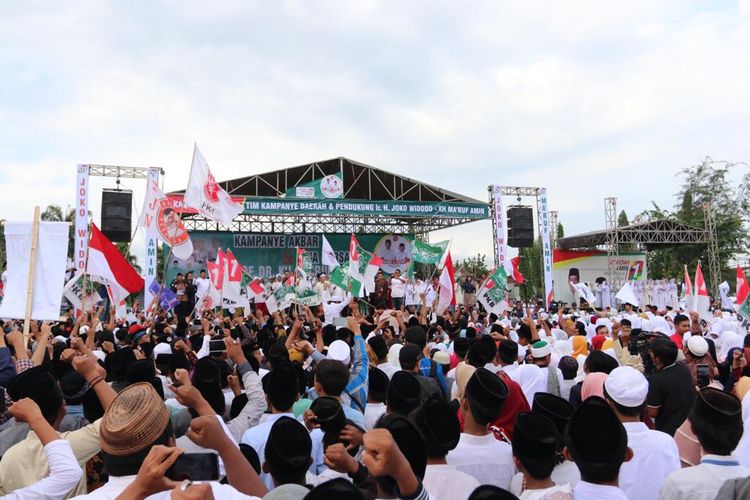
column 546, row 246
column 82, row 218
column 149, row 271
column 500, row 229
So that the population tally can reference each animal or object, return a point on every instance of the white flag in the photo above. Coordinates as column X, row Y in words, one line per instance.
column 585, row 292
column 206, row 196
column 160, row 219
column 328, row 256
column 627, row 295
column 49, row 271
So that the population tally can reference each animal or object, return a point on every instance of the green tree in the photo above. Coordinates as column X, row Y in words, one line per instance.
column 560, row 231
column 531, row 268
column 707, row 182
column 475, row 266
column 622, row 219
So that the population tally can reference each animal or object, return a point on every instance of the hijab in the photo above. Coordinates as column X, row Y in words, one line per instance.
column 580, row 346
column 593, row 385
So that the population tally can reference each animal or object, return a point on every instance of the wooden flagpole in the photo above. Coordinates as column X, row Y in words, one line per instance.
column 84, row 294
column 30, row 282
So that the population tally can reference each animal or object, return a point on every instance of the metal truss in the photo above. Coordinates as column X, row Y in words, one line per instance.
column 714, row 266
column 613, row 247
column 117, row 171
column 344, row 224
column 553, row 218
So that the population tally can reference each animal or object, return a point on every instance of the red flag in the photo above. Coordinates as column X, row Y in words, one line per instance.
column 300, row 258
column 107, row 262
column 216, row 272
column 234, row 271
column 516, row 275
column 702, row 301
column 700, row 284
column 256, row 286
column 742, row 287
column 688, row 284
column 447, row 292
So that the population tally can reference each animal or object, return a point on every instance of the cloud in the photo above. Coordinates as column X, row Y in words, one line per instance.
column 588, row 98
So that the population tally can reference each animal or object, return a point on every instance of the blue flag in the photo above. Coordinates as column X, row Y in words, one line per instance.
column 168, row 299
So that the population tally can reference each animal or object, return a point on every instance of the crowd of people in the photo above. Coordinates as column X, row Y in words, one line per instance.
column 377, row 398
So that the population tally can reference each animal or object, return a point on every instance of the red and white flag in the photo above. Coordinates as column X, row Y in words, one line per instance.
column 205, row 195
column 106, row 262
column 511, row 269
column 354, row 259
column 256, row 288
column 702, row 300
column 447, row 292
column 742, row 287
column 158, row 217
column 689, row 302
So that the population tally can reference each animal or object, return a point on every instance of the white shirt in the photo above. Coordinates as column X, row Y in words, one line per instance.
column 116, row 485
column 566, row 473
column 257, row 437
column 485, row 458
column 388, row 369
column 201, row 286
column 703, row 481
column 541, row 494
column 591, row 491
column 63, row 477
column 655, row 456
column 398, row 288
column 373, row 411
column 445, row 482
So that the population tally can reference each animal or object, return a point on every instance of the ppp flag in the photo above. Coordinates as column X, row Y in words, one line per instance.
column 159, row 218
column 205, row 195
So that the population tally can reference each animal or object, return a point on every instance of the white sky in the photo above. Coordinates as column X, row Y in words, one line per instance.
column 587, row 98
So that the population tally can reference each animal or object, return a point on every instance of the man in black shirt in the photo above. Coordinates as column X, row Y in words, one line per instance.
column 671, row 393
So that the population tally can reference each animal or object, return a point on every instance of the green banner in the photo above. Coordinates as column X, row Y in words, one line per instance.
column 275, row 205
column 328, row 187
column 267, row 254
column 306, row 297
column 427, row 253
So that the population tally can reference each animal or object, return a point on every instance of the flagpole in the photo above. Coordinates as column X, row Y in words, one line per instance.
column 30, row 281
column 164, row 277
column 85, row 272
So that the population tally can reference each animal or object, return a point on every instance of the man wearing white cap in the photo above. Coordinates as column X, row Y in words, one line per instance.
column 655, row 453
column 541, row 353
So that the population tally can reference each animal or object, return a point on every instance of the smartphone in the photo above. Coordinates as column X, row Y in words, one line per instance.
column 195, row 467
column 216, row 346
column 702, row 375
column 339, row 322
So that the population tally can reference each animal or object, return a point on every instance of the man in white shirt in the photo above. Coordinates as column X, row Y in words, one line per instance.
column 479, row 453
column 716, row 420
column 201, row 284
column 655, row 454
column 535, row 442
column 439, row 425
column 282, row 393
column 598, row 444
column 398, row 290
column 541, row 353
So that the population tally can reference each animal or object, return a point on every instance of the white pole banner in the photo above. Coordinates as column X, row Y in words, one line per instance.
column 500, row 231
column 546, row 246
column 149, row 273
column 82, row 218
column 49, row 271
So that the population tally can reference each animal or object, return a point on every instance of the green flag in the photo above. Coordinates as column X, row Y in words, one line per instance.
column 341, row 278
column 306, row 297
column 493, row 292
column 427, row 253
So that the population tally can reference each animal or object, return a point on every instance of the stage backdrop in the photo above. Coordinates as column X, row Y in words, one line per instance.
column 269, row 254
column 587, row 266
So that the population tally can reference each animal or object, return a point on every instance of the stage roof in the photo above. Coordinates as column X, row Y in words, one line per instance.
column 361, row 182
column 653, row 234
column 406, row 205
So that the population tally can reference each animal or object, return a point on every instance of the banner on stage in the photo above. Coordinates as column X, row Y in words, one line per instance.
column 82, row 218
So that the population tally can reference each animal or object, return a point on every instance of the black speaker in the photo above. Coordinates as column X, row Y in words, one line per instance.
column 520, row 227
column 116, row 210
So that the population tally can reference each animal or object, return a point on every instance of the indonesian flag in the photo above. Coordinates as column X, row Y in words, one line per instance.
column 447, row 292
column 210, row 299
column 205, row 195
column 371, row 270
column 159, row 218
column 511, row 269
column 702, row 301
column 742, row 287
column 689, row 302
column 106, row 262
